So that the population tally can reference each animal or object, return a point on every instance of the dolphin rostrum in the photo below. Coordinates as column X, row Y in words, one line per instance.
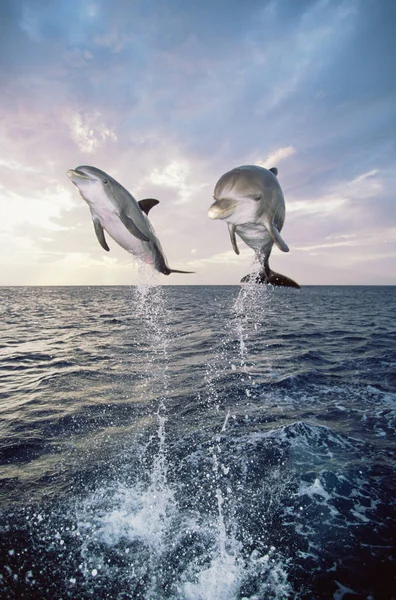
column 116, row 211
column 250, row 199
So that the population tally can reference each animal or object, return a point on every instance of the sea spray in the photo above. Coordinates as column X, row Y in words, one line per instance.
column 246, row 314
column 268, row 570
column 221, row 578
column 131, row 522
column 151, row 307
column 231, row 571
column 136, row 533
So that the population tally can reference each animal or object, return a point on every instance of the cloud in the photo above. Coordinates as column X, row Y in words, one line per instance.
column 39, row 208
column 14, row 165
column 154, row 95
column 223, row 258
column 88, row 130
column 275, row 157
column 174, row 176
column 366, row 185
column 366, row 239
column 177, row 175
column 326, row 205
column 30, row 24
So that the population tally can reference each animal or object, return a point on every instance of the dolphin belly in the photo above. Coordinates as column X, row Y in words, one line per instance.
column 112, row 224
column 256, row 236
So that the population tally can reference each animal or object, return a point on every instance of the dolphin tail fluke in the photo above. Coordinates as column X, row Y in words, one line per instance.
column 281, row 280
column 270, row 277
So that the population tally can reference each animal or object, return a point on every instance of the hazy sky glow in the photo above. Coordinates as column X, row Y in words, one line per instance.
column 168, row 95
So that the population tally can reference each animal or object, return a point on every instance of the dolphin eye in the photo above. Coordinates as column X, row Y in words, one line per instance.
column 257, row 198
column 105, row 181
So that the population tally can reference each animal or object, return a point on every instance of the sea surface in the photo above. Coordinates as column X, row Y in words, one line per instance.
column 198, row 443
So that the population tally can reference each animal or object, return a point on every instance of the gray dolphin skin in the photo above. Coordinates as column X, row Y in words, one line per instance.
column 116, row 211
column 250, row 199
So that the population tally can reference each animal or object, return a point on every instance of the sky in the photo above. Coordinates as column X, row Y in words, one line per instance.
column 166, row 96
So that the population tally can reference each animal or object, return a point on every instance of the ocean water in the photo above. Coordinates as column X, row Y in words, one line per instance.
column 198, row 443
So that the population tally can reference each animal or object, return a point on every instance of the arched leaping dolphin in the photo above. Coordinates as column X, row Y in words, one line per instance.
column 116, row 211
column 250, row 199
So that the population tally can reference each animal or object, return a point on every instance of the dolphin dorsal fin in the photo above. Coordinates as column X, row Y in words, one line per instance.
column 147, row 204
column 274, row 170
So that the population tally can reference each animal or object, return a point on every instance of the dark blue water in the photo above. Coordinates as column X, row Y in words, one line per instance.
column 198, row 443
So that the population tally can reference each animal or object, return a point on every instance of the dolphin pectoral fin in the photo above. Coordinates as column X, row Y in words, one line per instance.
column 231, row 229
column 276, row 236
column 147, row 204
column 100, row 233
column 132, row 228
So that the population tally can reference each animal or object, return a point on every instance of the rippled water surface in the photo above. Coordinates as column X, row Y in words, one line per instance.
column 198, row 443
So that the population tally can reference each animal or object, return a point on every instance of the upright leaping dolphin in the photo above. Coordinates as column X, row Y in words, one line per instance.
column 250, row 199
column 116, row 211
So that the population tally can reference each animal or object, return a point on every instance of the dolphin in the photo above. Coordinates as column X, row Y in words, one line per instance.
column 249, row 198
column 116, row 211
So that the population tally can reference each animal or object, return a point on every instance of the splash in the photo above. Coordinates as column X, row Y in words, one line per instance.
column 151, row 307
column 220, row 581
column 133, row 521
column 138, row 538
column 223, row 576
column 249, row 315
column 247, row 312
column 230, row 570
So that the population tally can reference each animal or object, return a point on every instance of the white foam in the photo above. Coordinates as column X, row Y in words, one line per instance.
column 315, row 489
column 225, row 421
column 342, row 590
column 219, row 581
column 129, row 514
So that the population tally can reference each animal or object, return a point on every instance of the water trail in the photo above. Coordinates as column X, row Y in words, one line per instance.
column 244, row 311
column 221, row 579
column 247, row 318
column 152, row 308
column 245, row 322
column 230, row 567
column 133, row 521
column 137, row 534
